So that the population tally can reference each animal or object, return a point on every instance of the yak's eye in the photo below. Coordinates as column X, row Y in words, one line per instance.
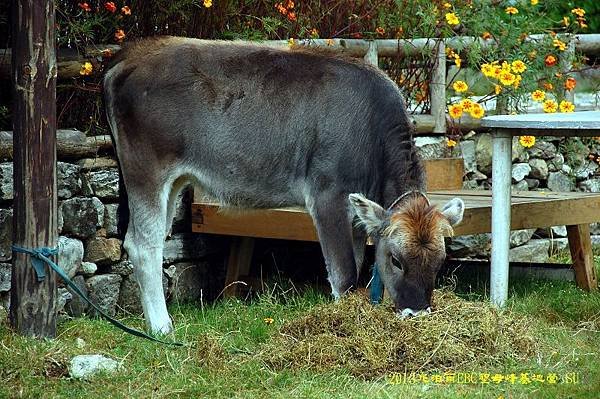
column 396, row 262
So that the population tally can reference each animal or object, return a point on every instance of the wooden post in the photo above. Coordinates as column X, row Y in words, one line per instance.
column 437, row 89
column 33, row 303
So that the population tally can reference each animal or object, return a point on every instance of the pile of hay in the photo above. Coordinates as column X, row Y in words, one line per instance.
column 370, row 341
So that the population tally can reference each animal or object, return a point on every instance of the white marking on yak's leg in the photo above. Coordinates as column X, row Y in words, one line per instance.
column 144, row 243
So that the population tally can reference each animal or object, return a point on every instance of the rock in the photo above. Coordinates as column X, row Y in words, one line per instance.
column 590, row 186
column 519, row 171
column 104, row 183
column 467, row 148
column 86, row 366
column 532, row 183
column 182, row 247
column 539, row 168
column 6, row 181
column 79, row 343
column 70, row 255
column 104, row 291
column 103, row 251
column 585, row 170
column 518, row 152
column 542, row 149
column 129, row 297
column 124, row 267
column 523, row 156
column 558, row 244
column 63, row 296
column 476, row 245
column 483, row 153
column 188, row 281
column 566, row 169
column 520, row 237
column 431, row 147
column 595, row 240
column 555, row 164
column 6, row 228
column 5, row 274
column 595, row 228
column 520, row 186
column 477, row 175
column 470, row 185
column 82, row 216
column 559, row 182
column 90, row 164
column 69, row 182
column 535, row 251
column 111, row 219
column 87, row 269
column 77, row 306
column 552, row 232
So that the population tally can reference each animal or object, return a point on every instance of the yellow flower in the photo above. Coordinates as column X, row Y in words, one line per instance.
column 207, row 3
column 447, row 5
column 517, row 81
column 291, row 42
column 450, row 143
column 466, row 104
column 452, row 19
column 566, row 21
column 559, row 44
column 460, row 86
column 534, row 2
column 518, row 66
column 505, row 66
column 527, row 141
column 457, row 61
column 507, row 78
column 329, row 42
column 511, row 10
column 566, row 106
column 476, row 111
column 269, row 320
column 580, row 12
column 497, row 89
column 455, row 111
column 550, row 106
column 86, row 69
column 487, row 70
column 538, row 95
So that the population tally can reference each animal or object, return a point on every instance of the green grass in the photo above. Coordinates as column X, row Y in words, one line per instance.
column 223, row 341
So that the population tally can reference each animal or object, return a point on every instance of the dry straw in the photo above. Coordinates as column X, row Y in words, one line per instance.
column 370, row 341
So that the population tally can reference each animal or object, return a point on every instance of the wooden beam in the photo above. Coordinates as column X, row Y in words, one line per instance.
column 580, row 246
column 238, row 264
column 33, row 303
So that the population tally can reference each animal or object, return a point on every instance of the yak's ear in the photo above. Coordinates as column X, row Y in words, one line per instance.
column 369, row 213
column 454, row 210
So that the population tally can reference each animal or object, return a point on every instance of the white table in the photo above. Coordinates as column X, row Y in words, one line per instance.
column 503, row 128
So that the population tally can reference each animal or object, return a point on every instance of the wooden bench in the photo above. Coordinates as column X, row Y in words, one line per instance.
column 529, row 210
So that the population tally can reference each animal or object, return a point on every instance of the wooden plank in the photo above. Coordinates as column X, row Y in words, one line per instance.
column 238, row 264
column 444, row 174
column 296, row 224
column 570, row 121
column 580, row 246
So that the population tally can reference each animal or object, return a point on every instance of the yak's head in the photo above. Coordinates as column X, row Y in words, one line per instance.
column 410, row 250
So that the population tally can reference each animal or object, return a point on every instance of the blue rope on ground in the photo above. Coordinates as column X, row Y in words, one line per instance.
column 376, row 292
column 39, row 256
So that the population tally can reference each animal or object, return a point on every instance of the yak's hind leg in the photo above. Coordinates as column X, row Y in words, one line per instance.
column 330, row 215
column 144, row 244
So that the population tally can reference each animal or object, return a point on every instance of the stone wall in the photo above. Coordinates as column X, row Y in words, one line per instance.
column 552, row 164
column 90, row 250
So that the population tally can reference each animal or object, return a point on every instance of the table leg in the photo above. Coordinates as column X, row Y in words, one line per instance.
column 501, row 179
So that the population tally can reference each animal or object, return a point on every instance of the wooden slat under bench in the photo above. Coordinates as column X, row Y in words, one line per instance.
column 530, row 209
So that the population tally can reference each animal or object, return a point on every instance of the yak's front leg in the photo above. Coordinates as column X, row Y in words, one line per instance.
column 330, row 215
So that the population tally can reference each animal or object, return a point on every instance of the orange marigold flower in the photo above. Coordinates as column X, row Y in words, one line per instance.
column 455, row 111
column 486, row 35
column 289, row 4
column 538, row 95
column 126, row 10
column 314, row 33
column 550, row 60
column 566, row 106
column 281, row 8
column 476, row 111
column 380, row 31
column 460, row 86
column 85, row 7
column 511, row 10
column 107, row 53
column 547, row 85
column 119, row 35
column 550, row 106
column 527, row 141
column 291, row 16
column 110, row 6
